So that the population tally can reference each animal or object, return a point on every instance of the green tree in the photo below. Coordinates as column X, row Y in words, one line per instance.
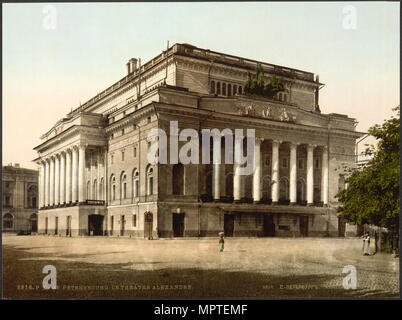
column 372, row 195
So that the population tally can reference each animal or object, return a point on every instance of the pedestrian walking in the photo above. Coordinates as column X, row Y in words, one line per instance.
column 366, row 244
column 221, row 241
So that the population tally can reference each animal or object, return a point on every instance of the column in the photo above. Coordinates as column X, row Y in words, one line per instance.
column 62, row 178
column 68, row 176
column 74, row 175
column 237, row 194
column 216, row 185
column 324, row 176
column 81, row 174
column 42, row 184
column 310, row 175
column 57, row 180
column 51, row 197
column 293, row 174
column 257, row 171
column 275, row 172
column 47, row 182
column 98, row 177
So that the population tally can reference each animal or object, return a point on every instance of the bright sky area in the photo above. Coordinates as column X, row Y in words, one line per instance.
column 47, row 72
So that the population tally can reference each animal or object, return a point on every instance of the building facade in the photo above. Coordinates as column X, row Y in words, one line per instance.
column 96, row 179
column 20, row 199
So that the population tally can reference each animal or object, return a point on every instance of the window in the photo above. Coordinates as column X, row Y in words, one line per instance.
column 285, row 97
column 317, row 163
column 88, row 190
column 213, row 87
column 240, row 90
column 284, row 162
column 113, row 187
column 178, row 179
column 267, row 161
column 300, row 164
column 229, row 90
column 95, row 195
column 111, row 159
column 148, row 119
column 234, row 89
column 280, row 96
column 123, row 186
column 341, row 183
column 150, row 181
column 266, row 188
column 284, row 189
column 135, row 152
column 136, row 183
column 34, row 202
column 224, row 89
column 122, row 156
column 101, row 190
column 8, row 221
column 7, row 201
column 300, row 191
column 134, row 220
column 218, row 88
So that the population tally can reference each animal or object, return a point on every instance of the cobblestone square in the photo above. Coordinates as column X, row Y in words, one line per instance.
column 99, row 267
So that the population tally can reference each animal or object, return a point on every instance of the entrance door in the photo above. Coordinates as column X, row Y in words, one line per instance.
column 122, row 224
column 68, row 226
column 178, row 224
column 34, row 222
column 269, row 225
column 341, row 227
column 148, row 221
column 304, row 226
column 95, row 225
column 228, row 224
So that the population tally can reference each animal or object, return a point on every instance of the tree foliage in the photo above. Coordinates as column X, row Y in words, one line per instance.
column 372, row 195
column 258, row 87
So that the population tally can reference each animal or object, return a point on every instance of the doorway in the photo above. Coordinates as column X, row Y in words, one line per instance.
column 122, row 225
column 95, row 225
column 341, row 227
column 228, row 224
column 178, row 224
column 68, row 226
column 33, row 220
column 148, row 225
column 269, row 225
column 304, row 226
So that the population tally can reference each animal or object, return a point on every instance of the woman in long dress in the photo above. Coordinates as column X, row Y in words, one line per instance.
column 366, row 245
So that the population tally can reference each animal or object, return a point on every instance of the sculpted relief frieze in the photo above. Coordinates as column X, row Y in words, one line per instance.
column 266, row 112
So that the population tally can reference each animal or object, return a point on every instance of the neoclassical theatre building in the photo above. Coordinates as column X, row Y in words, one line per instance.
column 95, row 178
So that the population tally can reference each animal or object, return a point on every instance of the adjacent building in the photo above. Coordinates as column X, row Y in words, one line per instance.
column 95, row 177
column 20, row 199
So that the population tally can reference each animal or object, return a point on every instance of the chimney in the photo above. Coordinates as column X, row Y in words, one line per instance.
column 317, row 78
column 128, row 68
column 133, row 65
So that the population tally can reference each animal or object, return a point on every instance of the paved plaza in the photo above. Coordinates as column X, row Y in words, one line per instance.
column 96, row 267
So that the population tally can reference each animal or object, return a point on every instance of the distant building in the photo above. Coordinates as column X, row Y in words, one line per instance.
column 20, row 199
column 95, row 178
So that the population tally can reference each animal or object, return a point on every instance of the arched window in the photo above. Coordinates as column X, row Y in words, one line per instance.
column 123, row 186
column 234, row 89
column 218, row 88
column 240, row 90
column 248, row 187
column 229, row 185
column 301, row 191
column 112, row 188
column 224, row 89
column 178, row 179
column 150, row 181
column 101, row 186
column 8, row 221
column 88, row 190
column 266, row 188
column 32, row 196
column 95, row 195
column 213, row 87
column 284, row 189
column 136, row 184
column 229, row 89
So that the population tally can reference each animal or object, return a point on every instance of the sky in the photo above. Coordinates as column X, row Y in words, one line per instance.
column 56, row 56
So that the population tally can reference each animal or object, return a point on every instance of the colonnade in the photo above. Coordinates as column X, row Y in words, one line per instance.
column 257, row 175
